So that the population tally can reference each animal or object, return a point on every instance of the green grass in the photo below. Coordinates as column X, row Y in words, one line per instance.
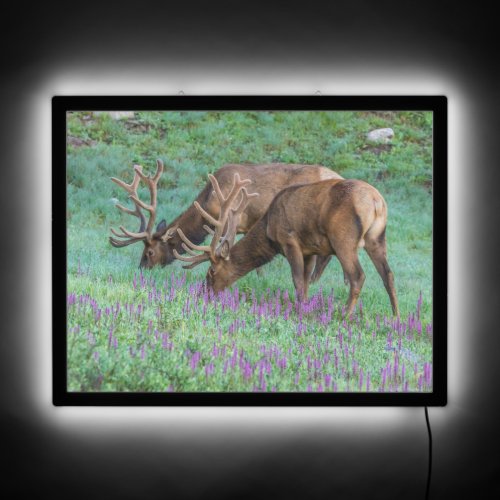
column 164, row 348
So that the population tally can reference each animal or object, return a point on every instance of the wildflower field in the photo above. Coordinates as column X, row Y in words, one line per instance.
column 161, row 330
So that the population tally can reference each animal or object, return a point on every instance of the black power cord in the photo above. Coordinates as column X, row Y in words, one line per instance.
column 430, row 454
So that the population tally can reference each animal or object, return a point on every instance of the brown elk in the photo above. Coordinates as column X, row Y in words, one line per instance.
column 159, row 244
column 331, row 217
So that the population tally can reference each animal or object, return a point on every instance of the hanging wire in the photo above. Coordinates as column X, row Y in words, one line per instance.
column 429, row 470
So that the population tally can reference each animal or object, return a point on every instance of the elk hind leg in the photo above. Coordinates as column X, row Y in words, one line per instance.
column 321, row 263
column 376, row 249
column 309, row 263
column 354, row 274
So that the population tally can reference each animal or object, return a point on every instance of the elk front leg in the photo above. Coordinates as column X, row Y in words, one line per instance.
column 296, row 260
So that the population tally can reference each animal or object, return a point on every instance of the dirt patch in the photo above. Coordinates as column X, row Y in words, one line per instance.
column 381, row 175
column 78, row 142
column 376, row 149
column 428, row 185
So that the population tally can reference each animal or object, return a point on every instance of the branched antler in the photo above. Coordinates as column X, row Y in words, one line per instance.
column 145, row 229
column 228, row 220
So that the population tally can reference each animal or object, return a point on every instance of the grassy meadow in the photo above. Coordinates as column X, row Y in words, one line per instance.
column 161, row 330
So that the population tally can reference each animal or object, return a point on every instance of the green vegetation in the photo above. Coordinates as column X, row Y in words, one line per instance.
column 162, row 331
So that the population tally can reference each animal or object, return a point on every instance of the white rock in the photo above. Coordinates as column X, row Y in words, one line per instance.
column 380, row 135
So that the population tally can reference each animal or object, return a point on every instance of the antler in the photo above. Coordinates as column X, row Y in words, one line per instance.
column 228, row 218
column 145, row 229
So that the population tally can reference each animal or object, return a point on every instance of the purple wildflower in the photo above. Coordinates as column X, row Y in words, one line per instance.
column 165, row 342
column 247, row 370
column 215, row 350
column 428, row 329
column 110, row 336
column 389, row 340
column 354, row 367
column 323, row 319
column 281, row 363
column 277, row 307
column 384, row 375
column 300, row 329
column 195, row 359
column 234, row 357
column 209, row 370
column 428, row 374
column 419, row 305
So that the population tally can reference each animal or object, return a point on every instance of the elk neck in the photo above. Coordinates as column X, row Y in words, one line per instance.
column 253, row 250
column 191, row 222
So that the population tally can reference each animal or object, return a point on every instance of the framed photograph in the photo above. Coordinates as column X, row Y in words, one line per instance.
column 250, row 250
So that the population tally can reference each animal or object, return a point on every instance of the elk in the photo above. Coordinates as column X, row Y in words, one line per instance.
column 159, row 244
column 330, row 217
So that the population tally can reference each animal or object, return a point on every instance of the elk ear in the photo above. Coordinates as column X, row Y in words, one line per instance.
column 225, row 250
column 161, row 227
column 171, row 231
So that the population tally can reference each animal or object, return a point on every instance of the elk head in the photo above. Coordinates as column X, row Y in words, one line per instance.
column 152, row 254
column 223, row 236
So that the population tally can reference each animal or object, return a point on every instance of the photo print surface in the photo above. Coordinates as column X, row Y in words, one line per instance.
column 250, row 253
